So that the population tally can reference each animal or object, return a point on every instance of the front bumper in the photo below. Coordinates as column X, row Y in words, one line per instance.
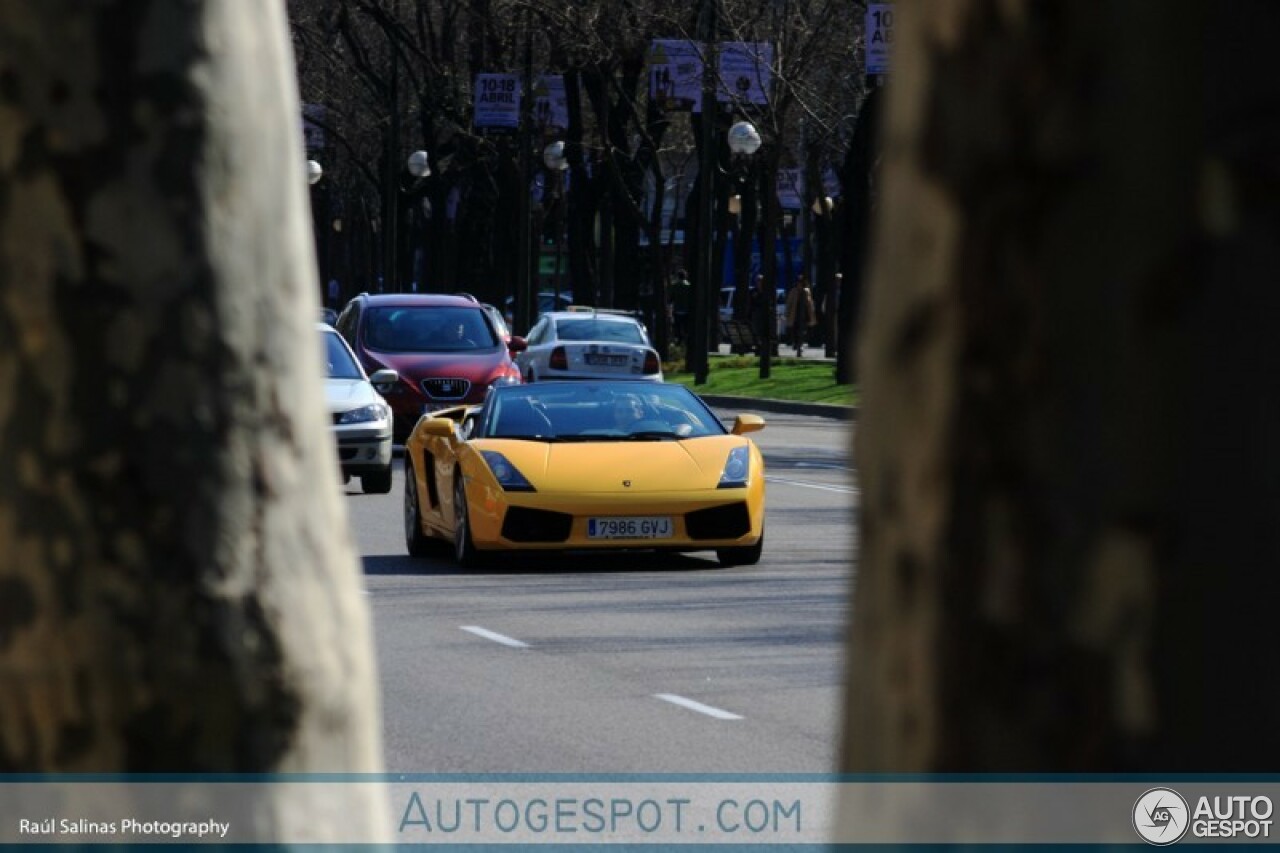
column 363, row 450
column 701, row 520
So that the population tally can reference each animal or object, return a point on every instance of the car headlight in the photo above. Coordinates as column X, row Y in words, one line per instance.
column 507, row 475
column 365, row 414
column 507, row 379
column 736, row 469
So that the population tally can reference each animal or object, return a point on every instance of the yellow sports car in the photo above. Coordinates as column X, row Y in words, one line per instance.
column 584, row 465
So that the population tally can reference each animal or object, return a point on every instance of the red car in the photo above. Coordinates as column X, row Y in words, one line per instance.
column 445, row 348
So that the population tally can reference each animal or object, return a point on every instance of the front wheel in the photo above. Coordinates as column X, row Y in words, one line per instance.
column 464, row 549
column 747, row 555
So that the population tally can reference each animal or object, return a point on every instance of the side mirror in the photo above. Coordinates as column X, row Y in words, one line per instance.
column 384, row 378
column 442, row 427
column 517, row 344
column 747, row 423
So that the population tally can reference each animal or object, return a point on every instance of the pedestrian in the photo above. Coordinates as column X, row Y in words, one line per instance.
column 801, row 315
column 681, row 291
column 335, row 292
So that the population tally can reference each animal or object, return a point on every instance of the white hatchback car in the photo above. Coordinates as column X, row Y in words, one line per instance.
column 362, row 420
column 586, row 344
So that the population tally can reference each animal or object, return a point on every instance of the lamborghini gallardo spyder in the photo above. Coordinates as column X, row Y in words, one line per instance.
column 587, row 466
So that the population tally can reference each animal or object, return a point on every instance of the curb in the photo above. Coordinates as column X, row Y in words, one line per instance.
column 787, row 407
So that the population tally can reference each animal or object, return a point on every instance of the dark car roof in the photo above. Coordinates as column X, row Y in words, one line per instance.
column 407, row 300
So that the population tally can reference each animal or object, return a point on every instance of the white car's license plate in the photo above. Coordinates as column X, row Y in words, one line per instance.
column 635, row 527
column 609, row 360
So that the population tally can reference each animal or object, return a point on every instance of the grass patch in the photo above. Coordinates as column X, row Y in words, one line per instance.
column 789, row 379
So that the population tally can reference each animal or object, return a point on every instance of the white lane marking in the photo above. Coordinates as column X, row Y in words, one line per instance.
column 497, row 638
column 696, row 706
column 844, row 490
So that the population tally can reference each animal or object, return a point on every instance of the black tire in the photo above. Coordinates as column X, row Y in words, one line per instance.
column 748, row 555
column 464, row 549
column 417, row 544
column 377, row 483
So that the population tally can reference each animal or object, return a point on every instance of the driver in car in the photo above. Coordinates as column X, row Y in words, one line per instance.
column 628, row 412
column 631, row 415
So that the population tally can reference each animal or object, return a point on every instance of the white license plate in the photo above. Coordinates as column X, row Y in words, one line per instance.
column 610, row 360
column 637, row 527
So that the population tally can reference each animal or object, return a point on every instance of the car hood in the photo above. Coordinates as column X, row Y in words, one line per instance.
column 475, row 365
column 643, row 466
column 343, row 395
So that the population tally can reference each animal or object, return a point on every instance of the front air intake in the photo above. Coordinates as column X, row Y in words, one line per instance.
column 729, row 521
column 535, row 525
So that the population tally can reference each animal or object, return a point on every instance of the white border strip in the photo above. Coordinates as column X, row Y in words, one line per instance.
column 491, row 635
column 696, row 706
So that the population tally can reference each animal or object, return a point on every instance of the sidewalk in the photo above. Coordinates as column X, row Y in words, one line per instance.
column 782, row 407
column 810, row 353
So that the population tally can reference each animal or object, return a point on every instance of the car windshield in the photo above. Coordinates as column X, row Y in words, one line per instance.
column 592, row 329
column 338, row 357
column 428, row 328
column 597, row 411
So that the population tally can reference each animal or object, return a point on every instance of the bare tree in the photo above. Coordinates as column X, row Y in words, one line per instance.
column 178, row 589
column 1067, row 447
column 619, row 146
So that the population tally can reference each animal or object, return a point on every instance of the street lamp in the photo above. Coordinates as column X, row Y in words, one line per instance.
column 553, row 157
column 320, row 208
column 824, row 209
column 744, row 141
column 418, row 166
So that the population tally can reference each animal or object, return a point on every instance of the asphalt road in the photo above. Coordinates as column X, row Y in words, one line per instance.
column 646, row 663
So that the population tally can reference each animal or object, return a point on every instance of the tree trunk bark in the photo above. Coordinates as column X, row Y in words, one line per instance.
column 1070, row 407
column 178, row 587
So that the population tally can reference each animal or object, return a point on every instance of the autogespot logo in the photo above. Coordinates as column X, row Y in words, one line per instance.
column 1160, row 816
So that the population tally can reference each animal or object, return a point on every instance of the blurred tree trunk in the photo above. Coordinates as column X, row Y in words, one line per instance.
column 178, row 589
column 1071, row 415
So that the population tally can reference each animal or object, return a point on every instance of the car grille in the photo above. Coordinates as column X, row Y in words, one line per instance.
column 535, row 525
column 446, row 389
column 719, row 522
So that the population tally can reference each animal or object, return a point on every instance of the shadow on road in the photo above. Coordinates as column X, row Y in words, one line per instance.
column 537, row 563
